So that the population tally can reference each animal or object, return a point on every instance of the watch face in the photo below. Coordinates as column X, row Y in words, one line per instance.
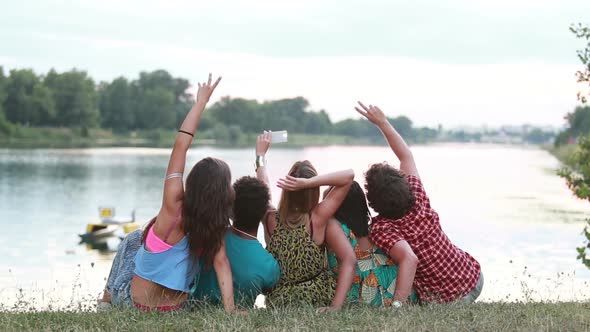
column 396, row 304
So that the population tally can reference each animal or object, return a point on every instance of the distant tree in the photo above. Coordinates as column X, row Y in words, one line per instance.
column 318, row 123
column 117, row 105
column 3, row 81
column 5, row 125
column 578, row 174
column 356, row 128
column 578, row 122
column 245, row 113
column 156, row 110
column 403, row 125
column 75, row 98
column 538, row 136
column 286, row 114
column 164, row 81
column 27, row 100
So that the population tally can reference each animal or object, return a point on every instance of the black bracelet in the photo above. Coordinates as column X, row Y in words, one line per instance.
column 185, row 132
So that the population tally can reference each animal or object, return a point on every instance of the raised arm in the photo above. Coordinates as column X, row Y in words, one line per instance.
column 338, row 243
column 262, row 146
column 173, row 186
column 341, row 182
column 394, row 139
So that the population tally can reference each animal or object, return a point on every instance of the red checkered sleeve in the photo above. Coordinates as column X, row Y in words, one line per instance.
column 445, row 272
column 385, row 236
column 422, row 200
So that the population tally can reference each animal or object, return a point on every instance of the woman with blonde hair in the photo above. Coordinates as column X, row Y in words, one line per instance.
column 296, row 236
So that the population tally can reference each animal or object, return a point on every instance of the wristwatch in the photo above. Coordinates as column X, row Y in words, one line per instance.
column 259, row 162
column 396, row 304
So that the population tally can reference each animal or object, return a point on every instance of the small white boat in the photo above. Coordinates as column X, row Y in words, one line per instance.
column 109, row 226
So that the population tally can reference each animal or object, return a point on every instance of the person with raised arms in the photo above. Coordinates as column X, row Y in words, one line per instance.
column 297, row 236
column 154, row 269
column 408, row 229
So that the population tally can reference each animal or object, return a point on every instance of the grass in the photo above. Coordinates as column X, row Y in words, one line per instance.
column 454, row 317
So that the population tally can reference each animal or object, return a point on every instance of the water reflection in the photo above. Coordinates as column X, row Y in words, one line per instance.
column 103, row 246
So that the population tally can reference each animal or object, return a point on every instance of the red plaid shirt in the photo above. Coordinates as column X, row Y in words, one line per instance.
column 445, row 273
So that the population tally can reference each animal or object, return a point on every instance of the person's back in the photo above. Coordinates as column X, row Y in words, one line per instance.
column 409, row 230
column 376, row 274
column 444, row 272
column 254, row 270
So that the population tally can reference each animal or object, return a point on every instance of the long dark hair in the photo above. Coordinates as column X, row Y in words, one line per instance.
column 354, row 212
column 295, row 206
column 208, row 197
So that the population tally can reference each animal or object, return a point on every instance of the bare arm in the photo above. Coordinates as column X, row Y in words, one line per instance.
column 341, row 181
column 262, row 146
column 403, row 255
column 224, row 279
column 173, row 187
column 339, row 244
column 269, row 224
column 394, row 139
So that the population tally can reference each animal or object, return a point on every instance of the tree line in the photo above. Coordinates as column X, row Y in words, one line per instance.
column 157, row 100
column 578, row 126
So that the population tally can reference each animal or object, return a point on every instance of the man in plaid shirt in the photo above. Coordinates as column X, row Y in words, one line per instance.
column 409, row 229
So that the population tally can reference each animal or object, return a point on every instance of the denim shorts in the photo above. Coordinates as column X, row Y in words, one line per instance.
column 474, row 294
column 119, row 281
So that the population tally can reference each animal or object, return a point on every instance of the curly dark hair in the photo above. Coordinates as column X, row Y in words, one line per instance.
column 388, row 191
column 251, row 202
column 208, row 197
column 354, row 212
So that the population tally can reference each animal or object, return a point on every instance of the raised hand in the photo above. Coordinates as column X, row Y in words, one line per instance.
column 206, row 89
column 292, row 183
column 263, row 143
column 373, row 114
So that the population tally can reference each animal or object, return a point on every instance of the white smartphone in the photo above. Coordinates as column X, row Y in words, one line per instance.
column 279, row 136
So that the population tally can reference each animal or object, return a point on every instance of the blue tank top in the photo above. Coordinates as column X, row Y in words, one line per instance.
column 172, row 268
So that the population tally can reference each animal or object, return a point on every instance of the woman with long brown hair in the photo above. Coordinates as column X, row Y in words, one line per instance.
column 296, row 235
column 187, row 232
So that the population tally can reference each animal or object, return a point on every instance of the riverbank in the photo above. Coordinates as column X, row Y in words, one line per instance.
column 563, row 152
column 476, row 317
column 39, row 138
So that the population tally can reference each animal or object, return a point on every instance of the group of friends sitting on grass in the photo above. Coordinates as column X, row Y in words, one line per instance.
column 202, row 247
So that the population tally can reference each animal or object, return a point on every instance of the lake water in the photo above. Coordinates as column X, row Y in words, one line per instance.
column 502, row 204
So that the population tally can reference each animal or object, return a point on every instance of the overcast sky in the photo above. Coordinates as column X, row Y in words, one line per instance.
column 460, row 62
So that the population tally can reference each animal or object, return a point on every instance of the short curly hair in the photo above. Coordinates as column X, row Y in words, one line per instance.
column 388, row 191
column 251, row 202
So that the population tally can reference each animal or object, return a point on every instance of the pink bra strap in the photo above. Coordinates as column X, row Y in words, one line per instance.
column 174, row 224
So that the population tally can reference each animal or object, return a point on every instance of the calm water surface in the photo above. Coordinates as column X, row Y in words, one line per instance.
column 502, row 204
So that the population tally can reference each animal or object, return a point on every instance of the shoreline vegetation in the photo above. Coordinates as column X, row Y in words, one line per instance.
column 71, row 110
column 568, row 316
column 64, row 138
column 73, row 138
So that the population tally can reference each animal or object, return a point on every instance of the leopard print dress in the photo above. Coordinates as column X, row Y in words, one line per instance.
column 305, row 278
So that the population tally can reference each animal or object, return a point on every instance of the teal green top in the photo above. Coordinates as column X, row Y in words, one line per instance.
column 375, row 275
column 253, row 270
